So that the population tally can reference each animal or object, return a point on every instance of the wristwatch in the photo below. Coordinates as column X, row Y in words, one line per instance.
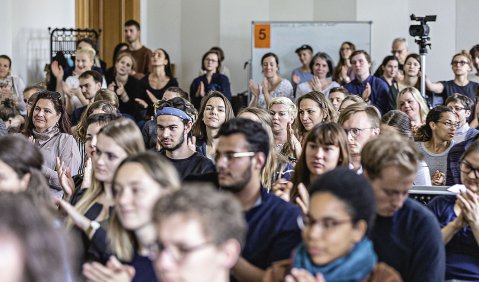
column 94, row 225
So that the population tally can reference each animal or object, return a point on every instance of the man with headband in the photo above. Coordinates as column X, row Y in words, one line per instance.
column 173, row 126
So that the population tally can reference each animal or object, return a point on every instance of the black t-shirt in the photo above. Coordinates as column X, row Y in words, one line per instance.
column 196, row 164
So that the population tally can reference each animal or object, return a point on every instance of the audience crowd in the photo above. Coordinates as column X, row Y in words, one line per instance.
column 120, row 175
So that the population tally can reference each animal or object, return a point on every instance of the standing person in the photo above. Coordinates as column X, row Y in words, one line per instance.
column 303, row 73
column 458, row 217
column 141, row 53
column 273, row 85
column 273, row 231
column 158, row 80
column 11, row 86
column 343, row 72
column 370, row 88
column 200, row 233
column 400, row 50
column 212, row 80
column 405, row 234
column 322, row 69
column 389, row 68
column 173, row 127
column 461, row 65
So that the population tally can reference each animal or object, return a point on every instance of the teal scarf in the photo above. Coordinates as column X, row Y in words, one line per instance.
column 355, row 266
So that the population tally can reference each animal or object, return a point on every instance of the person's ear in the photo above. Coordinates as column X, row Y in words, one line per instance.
column 188, row 127
column 260, row 160
column 24, row 181
column 359, row 230
column 468, row 113
column 230, row 253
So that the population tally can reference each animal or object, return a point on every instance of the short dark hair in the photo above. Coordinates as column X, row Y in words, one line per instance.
column 88, row 41
column 459, row 98
column 352, row 189
column 101, row 118
column 97, row 77
column 255, row 134
column 183, row 94
column 180, row 104
column 131, row 22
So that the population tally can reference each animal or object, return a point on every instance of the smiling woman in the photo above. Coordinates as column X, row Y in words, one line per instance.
column 48, row 126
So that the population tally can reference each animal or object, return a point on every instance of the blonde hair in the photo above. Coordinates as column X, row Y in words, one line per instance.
column 128, row 136
column 423, row 109
column 90, row 52
column 292, row 109
column 122, row 242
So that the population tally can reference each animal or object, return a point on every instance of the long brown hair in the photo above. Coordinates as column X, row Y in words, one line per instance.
column 328, row 133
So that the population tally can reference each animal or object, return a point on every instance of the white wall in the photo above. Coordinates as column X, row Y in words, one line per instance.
column 25, row 34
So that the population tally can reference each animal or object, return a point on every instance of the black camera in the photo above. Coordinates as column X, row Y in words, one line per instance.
column 422, row 29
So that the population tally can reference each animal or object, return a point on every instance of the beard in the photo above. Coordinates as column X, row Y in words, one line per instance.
column 175, row 146
column 241, row 183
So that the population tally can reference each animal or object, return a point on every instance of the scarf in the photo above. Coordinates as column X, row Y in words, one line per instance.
column 355, row 266
column 43, row 137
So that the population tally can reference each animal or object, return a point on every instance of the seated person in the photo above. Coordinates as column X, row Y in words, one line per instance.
column 459, row 220
column 200, row 233
column 335, row 246
column 273, row 230
column 174, row 122
column 461, row 106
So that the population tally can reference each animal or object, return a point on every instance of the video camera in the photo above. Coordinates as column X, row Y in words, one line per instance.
column 422, row 29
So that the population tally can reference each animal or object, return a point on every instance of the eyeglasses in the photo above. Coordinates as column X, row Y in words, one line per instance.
column 452, row 125
column 232, row 155
column 456, row 108
column 466, row 168
column 177, row 252
column 460, row 63
column 355, row 132
column 327, row 224
column 210, row 60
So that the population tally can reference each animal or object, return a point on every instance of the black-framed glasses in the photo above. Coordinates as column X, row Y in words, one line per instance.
column 450, row 124
column 232, row 155
column 456, row 108
column 459, row 63
column 466, row 168
column 327, row 224
column 355, row 132
column 177, row 252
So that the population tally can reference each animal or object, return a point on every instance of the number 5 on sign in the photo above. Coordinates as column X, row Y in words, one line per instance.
column 262, row 36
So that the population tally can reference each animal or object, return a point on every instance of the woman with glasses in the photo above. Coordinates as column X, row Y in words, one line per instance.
column 335, row 246
column 435, row 139
column 343, row 72
column 461, row 65
column 273, row 85
column 48, row 127
column 459, row 218
column 212, row 80
column 139, row 182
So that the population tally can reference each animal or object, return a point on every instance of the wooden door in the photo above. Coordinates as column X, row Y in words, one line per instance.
column 109, row 17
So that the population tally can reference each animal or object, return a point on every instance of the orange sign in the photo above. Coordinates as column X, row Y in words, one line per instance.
column 262, row 36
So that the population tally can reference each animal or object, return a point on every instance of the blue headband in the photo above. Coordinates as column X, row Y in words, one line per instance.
column 173, row 112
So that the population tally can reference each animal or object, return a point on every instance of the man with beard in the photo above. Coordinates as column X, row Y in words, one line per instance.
column 141, row 54
column 173, row 126
column 273, row 231
column 90, row 83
